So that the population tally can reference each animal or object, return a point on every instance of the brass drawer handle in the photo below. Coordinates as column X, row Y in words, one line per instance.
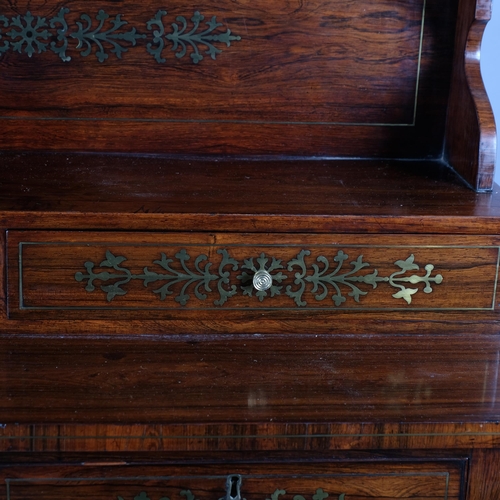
column 262, row 280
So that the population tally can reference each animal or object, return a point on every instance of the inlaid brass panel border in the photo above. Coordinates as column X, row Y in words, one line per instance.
column 352, row 475
column 256, row 122
column 22, row 306
column 253, row 436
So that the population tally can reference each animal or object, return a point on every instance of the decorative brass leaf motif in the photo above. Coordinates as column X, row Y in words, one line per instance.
column 199, row 277
column 323, row 281
column 322, row 278
column 181, row 37
column 30, row 35
column 319, row 495
column 144, row 496
column 99, row 36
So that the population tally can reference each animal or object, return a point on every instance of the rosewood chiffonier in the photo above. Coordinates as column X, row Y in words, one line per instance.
column 249, row 250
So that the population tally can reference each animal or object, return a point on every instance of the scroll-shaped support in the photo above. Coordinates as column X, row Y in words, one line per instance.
column 471, row 142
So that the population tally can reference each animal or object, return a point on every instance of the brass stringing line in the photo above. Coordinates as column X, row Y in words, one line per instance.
column 262, row 436
column 419, row 64
column 30, row 35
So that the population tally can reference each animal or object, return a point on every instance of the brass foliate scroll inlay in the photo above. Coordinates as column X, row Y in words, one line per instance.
column 143, row 495
column 183, row 37
column 334, row 279
column 319, row 495
column 106, row 34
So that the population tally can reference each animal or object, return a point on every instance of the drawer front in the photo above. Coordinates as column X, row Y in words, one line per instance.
column 271, row 482
column 176, row 275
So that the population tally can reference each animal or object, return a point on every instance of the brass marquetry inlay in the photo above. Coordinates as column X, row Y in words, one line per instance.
column 105, row 35
column 263, row 277
column 186, row 494
column 319, row 495
column 277, row 495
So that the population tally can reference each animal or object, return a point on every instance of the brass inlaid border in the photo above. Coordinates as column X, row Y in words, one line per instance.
column 256, row 436
column 257, row 122
column 444, row 474
column 419, row 64
column 22, row 306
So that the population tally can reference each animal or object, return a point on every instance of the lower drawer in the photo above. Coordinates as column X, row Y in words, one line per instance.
column 291, row 481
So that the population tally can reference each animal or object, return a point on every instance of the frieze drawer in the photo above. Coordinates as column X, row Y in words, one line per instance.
column 181, row 275
column 355, row 481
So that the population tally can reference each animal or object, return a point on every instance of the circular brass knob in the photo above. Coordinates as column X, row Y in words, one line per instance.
column 262, row 280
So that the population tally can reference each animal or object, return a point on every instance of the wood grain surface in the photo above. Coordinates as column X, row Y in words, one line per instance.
column 376, row 480
column 252, row 378
column 351, row 130
column 471, row 133
column 253, row 442
column 159, row 194
column 483, row 481
column 291, row 65
column 327, row 78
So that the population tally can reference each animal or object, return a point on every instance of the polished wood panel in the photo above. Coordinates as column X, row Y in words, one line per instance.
column 250, row 378
column 221, row 195
column 376, row 480
column 3, row 275
column 247, row 152
column 315, row 46
column 369, row 81
column 483, row 481
column 232, row 441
